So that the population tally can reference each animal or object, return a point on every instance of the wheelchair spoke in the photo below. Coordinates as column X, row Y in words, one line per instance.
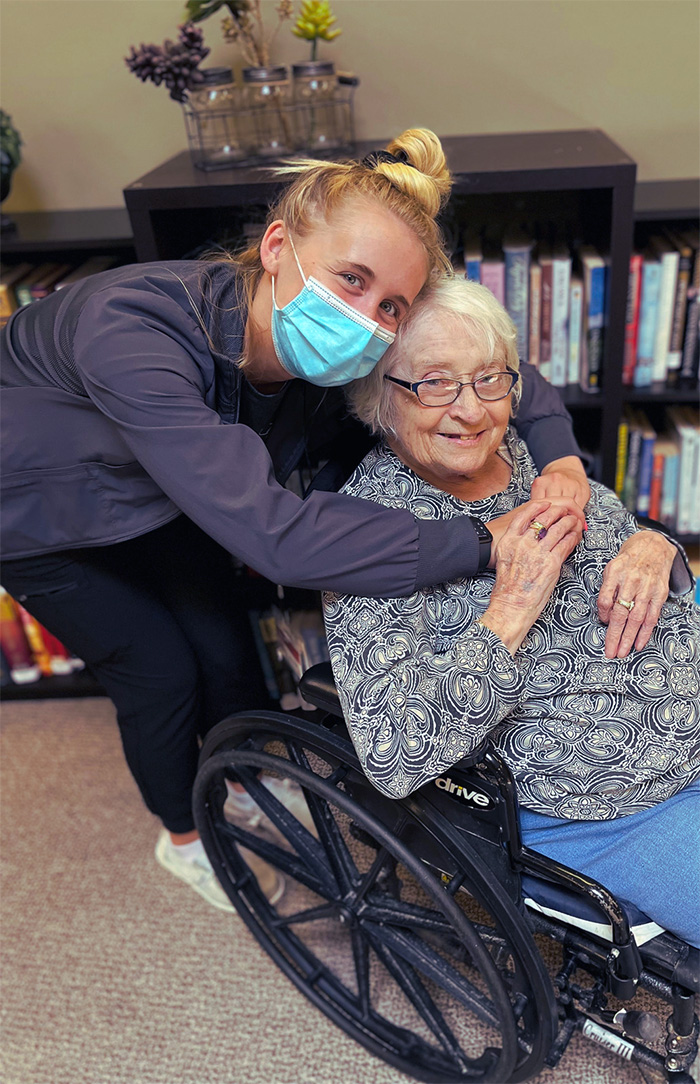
column 423, row 958
column 286, row 861
column 360, row 952
column 414, row 989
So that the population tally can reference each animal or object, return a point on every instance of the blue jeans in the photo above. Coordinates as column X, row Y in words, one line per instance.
column 651, row 858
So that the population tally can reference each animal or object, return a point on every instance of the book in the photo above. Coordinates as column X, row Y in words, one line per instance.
column 545, row 261
column 621, row 455
column 15, row 646
column 561, row 281
column 682, row 420
column 575, row 328
column 594, row 272
column 665, row 449
column 535, row 303
column 493, row 275
column 685, row 267
column 670, row 257
column 648, row 310
column 690, row 358
column 45, row 285
column 634, row 444
column 646, row 464
column 23, row 289
column 472, row 255
column 517, row 247
column 669, row 486
column 9, row 277
column 634, row 295
column 91, row 266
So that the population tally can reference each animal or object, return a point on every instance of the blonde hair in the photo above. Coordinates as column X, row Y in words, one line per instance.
column 414, row 189
column 472, row 310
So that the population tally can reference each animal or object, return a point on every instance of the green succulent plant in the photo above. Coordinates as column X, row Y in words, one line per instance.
column 314, row 22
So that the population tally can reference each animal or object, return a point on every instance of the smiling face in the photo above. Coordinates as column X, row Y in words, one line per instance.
column 452, row 447
column 365, row 254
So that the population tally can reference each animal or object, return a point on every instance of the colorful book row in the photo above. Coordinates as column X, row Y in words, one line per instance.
column 657, row 473
column 28, row 650
column 557, row 300
column 22, row 283
column 662, row 343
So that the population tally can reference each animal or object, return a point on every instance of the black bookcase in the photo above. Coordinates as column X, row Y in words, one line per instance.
column 577, row 182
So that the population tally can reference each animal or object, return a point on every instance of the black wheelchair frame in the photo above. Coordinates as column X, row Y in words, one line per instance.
column 405, row 921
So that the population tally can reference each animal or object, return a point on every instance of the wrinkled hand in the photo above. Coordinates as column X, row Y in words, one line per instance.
column 546, row 511
column 563, row 477
column 528, row 567
column 639, row 574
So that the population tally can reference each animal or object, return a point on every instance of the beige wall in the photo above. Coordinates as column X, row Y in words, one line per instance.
column 90, row 127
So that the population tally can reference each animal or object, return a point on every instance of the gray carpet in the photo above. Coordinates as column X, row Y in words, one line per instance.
column 116, row 973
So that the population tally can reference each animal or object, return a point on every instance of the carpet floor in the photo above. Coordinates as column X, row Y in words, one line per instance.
column 113, row 972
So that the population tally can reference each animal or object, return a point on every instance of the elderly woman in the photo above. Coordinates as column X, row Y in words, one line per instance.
column 556, row 654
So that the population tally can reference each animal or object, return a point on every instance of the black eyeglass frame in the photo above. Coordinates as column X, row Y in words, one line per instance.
column 462, row 384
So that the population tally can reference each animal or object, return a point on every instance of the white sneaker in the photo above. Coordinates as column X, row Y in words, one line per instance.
column 201, row 877
column 241, row 809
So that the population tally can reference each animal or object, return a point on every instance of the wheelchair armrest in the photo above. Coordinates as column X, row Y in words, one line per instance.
column 318, row 688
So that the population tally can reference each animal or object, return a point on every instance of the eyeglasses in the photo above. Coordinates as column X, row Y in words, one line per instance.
column 441, row 392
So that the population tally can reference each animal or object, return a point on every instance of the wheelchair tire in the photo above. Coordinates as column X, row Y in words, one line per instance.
column 374, row 936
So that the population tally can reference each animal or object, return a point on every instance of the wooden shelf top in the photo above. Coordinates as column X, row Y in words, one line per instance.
column 89, row 230
column 667, row 199
column 473, row 159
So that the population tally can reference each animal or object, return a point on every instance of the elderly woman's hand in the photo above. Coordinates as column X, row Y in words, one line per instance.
column 635, row 587
column 528, row 563
column 563, row 477
column 548, row 512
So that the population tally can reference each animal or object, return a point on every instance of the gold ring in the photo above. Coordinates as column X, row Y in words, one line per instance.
column 539, row 529
column 629, row 606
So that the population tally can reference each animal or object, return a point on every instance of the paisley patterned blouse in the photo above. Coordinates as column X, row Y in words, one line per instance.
column 421, row 684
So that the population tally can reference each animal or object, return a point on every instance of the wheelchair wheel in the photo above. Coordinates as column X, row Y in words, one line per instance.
column 446, row 985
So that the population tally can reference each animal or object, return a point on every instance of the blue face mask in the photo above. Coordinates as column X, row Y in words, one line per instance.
column 320, row 338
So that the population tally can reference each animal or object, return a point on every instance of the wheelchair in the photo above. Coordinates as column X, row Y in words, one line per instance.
column 422, row 926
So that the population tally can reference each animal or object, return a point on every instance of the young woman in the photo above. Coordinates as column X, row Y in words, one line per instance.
column 153, row 414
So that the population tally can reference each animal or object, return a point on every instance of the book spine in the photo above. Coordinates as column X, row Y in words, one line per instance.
column 667, row 294
column 648, row 312
column 535, row 313
column 657, row 477
column 575, row 330
column 517, row 274
column 694, row 510
column 561, row 280
column 594, row 339
column 644, row 474
column 472, row 266
column 546, row 321
column 493, row 276
column 621, row 457
column 669, row 490
column 691, row 343
column 15, row 647
column 634, row 293
column 680, row 304
column 685, row 480
column 629, row 495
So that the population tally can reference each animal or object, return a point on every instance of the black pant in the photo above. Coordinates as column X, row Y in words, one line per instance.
column 163, row 628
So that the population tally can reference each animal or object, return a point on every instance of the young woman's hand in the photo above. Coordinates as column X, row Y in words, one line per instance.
column 635, row 587
column 528, row 564
column 548, row 512
column 563, row 477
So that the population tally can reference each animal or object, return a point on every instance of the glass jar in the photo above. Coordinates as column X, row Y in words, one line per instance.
column 268, row 97
column 315, row 92
column 211, row 116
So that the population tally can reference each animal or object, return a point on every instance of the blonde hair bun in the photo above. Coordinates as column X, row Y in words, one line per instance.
column 425, row 175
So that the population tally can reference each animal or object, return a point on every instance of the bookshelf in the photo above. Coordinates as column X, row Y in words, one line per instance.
column 70, row 235
column 579, row 180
